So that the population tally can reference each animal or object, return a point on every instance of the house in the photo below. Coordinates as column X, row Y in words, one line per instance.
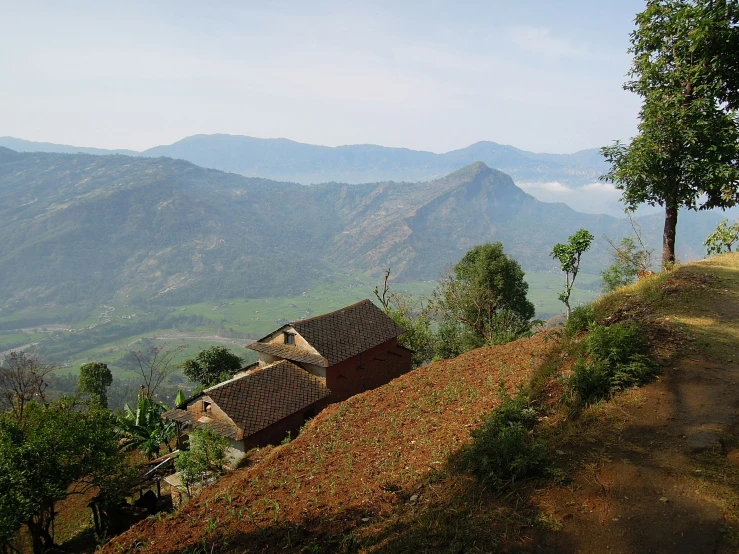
column 303, row 366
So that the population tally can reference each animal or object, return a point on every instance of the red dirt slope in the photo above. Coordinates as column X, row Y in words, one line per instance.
column 355, row 461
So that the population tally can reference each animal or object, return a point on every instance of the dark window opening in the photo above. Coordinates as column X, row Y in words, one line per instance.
column 206, row 406
column 289, row 338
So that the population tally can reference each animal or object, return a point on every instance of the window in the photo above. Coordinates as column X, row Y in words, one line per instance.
column 206, row 406
column 289, row 338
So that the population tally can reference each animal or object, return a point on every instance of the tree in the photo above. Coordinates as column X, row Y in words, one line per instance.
column 724, row 236
column 569, row 255
column 686, row 153
column 485, row 292
column 212, row 366
column 23, row 378
column 95, row 378
column 154, row 363
column 413, row 317
column 58, row 450
column 205, row 458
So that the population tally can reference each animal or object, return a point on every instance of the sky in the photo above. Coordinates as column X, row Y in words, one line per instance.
column 433, row 75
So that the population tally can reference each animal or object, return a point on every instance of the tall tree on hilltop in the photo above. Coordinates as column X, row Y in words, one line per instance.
column 686, row 69
column 486, row 294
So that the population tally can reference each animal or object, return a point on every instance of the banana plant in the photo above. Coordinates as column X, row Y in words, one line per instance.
column 145, row 429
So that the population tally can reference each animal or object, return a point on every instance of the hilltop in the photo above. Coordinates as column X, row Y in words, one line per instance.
column 654, row 469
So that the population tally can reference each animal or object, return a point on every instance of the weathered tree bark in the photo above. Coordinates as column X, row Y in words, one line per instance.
column 668, row 237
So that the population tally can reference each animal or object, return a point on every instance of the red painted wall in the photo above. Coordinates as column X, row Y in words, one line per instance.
column 368, row 370
column 276, row 433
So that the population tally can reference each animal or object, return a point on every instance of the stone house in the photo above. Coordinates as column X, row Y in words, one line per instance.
column 303, row 366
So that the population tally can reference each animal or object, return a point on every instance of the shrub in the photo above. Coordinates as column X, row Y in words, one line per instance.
column 205, row 459
column 591, row 380
column 615, row 358
column 505, row 449
column 616, row 344
column 580, row 319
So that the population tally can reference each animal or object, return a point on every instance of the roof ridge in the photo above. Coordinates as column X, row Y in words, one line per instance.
column 293, row 323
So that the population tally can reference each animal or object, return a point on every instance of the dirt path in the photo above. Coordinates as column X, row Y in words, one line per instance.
column 664, row 474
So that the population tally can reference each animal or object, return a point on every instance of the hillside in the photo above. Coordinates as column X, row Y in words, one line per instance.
column 78, row 229
column 287, row 160
column 655, row 469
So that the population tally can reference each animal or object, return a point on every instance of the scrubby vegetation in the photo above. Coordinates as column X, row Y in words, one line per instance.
column 612, row 358
column 505, row 449
column 482, row 300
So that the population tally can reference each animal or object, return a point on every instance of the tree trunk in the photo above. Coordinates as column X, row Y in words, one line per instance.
column 668, row 238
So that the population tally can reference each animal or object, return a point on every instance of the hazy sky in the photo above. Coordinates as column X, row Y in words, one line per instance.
column 434, row 75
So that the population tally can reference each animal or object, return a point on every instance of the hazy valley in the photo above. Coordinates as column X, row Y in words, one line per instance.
column 102, row 250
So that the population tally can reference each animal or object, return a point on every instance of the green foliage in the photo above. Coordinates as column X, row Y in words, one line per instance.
column 95, row 378
column 629, row 259
column 614, row 357
column 485, row 293
column 580, row 320
column 568, row 255
column 206, row 457
column 58, row 450
column 505, row 449
column 724, row 236
column 145, row 429
column 212, row 366
column 448, row 339
column 415, row 319
column 684, row 68
column 180, row 398
column 418, row 335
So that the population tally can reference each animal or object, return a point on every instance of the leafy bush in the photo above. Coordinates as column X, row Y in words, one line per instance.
column 591, row 380
column 580, row 319
column 724, row 236
column 615, row 358
column 206, row 457
column 505, row 449
column 616, row 344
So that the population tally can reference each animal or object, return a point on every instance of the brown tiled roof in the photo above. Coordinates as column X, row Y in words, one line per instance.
column 347, row 332
column 265, row 396
column 188, row 418
column 294, row 353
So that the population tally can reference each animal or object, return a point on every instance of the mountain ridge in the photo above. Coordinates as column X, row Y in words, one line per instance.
column 288, row 160
column 81, row 227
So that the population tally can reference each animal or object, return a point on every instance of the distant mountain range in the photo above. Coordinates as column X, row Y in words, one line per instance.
column 79, row 228
column 287, row 160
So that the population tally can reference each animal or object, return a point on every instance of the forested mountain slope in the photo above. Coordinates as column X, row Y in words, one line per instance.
column 79, row 228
